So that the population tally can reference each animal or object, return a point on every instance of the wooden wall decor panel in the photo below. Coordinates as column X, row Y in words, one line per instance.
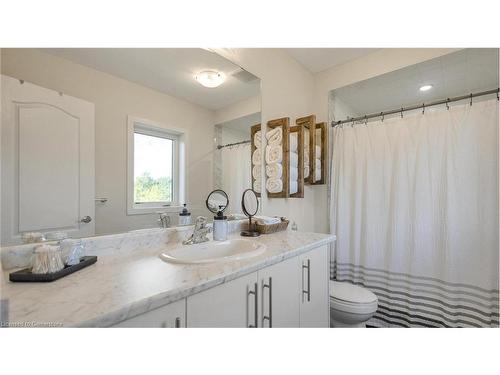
column 299, row 129
column 284, row 123
column 254, row 129
column 309, row 123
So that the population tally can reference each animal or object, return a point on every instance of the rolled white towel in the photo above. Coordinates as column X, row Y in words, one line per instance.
column 294, row 187
column 257, row 171
column 274, row 154
column 274, row 136
column 306, row 158
column 274, row 170
column 318, row 152
column 267, row 220
column 293, row 142
column 294, row 173
column 257, row 157
column 257, row 185
column 318, row 174
column 317, row 164
column 306, row 171
column 274, row 185
column 257, row 139
column 294, row 159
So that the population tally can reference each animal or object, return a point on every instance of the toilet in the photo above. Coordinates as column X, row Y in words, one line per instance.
column 350, row 305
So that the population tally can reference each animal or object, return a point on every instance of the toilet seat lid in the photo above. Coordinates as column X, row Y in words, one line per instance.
column 348, row 292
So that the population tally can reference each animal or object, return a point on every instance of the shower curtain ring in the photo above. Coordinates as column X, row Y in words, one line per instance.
column 471, row 99
column 366, row 120
column 447, row 105
column 498, row 94
column 423, row 108
column 401, row 112
column 382, row 114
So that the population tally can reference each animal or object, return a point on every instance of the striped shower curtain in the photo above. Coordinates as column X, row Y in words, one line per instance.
column 414, row 205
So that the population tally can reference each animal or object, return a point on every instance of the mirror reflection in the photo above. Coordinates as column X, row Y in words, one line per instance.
column 102, row 141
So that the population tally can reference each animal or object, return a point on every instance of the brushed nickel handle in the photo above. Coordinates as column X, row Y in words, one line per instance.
column 177, row 322
column 269, row 317
column 86, row 219
column 308, row 291
column 254, row 293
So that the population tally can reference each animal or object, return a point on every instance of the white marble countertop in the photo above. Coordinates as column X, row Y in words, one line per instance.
column 119, row 287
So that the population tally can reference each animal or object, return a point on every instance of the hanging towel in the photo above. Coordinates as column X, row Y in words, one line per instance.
column 294, row 187
column 318, row 152
column 293, row 142
column 257, row 157
column 274, row 185
column 274, row 170
column 257, row 139
column 257, row 185
column 274, row 136
column 257, row 171
column 294, row 159
column 274, row 154
column 294, row 173
column 306, row 171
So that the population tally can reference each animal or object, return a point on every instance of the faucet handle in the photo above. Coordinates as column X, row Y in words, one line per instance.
column 201, row 222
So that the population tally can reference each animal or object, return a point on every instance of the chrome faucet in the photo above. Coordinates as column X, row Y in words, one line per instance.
column 164, row 220
column 200, row 232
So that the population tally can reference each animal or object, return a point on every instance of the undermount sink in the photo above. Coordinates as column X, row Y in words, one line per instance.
column 213, row 251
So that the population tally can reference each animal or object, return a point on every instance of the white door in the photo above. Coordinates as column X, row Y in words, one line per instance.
column 232, row 304
column 172, row 315
column 314, row 302
column 47, row 162
column 279, row 285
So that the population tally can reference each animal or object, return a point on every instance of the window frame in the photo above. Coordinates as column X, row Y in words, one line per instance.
column 155, row 129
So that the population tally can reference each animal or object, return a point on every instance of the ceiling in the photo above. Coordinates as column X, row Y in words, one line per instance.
column 318, row 59
column 459, row 73
column 169, row 70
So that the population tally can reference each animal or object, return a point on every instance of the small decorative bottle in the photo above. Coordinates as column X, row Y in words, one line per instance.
column 185, row 216
column 220, row 226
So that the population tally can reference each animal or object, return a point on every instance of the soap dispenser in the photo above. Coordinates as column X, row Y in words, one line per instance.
column 185, row 216
column 220, row 225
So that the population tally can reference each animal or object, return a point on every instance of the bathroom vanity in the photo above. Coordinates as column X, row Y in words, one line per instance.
column 286, row 285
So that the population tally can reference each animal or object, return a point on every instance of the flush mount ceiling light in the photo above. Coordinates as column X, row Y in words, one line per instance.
column 425, row 87
column 210, row 78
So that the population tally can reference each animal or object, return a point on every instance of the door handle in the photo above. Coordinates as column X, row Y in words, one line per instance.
column 255, row 318
column 177, row 322
column 86, row 219
column 268, row 317
column 308, row 291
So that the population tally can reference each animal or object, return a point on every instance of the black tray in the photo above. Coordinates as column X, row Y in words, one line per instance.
column 26, row 275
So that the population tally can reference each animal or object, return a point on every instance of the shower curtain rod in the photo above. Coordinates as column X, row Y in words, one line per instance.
column 423, row 106
column 233, row 144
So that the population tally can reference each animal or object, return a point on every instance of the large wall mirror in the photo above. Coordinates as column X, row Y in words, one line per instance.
column 102, row 141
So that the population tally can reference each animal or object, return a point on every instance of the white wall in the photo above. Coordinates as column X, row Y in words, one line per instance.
column 239, row 109
column 114, row 99
column 286, row 91
column 374, row 64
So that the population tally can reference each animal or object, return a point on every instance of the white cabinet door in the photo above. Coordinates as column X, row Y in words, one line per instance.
column 279, row 285
column 172, row 315
column 232, row 304
column 314, row 300
column 47, row 154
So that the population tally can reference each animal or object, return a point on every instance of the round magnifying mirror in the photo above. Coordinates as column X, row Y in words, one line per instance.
column 217, row 201
column 250, row 206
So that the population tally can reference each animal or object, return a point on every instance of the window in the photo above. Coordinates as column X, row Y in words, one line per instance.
column 153, row 164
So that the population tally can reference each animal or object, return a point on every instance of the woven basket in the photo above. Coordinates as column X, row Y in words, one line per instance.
column 272, row 228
